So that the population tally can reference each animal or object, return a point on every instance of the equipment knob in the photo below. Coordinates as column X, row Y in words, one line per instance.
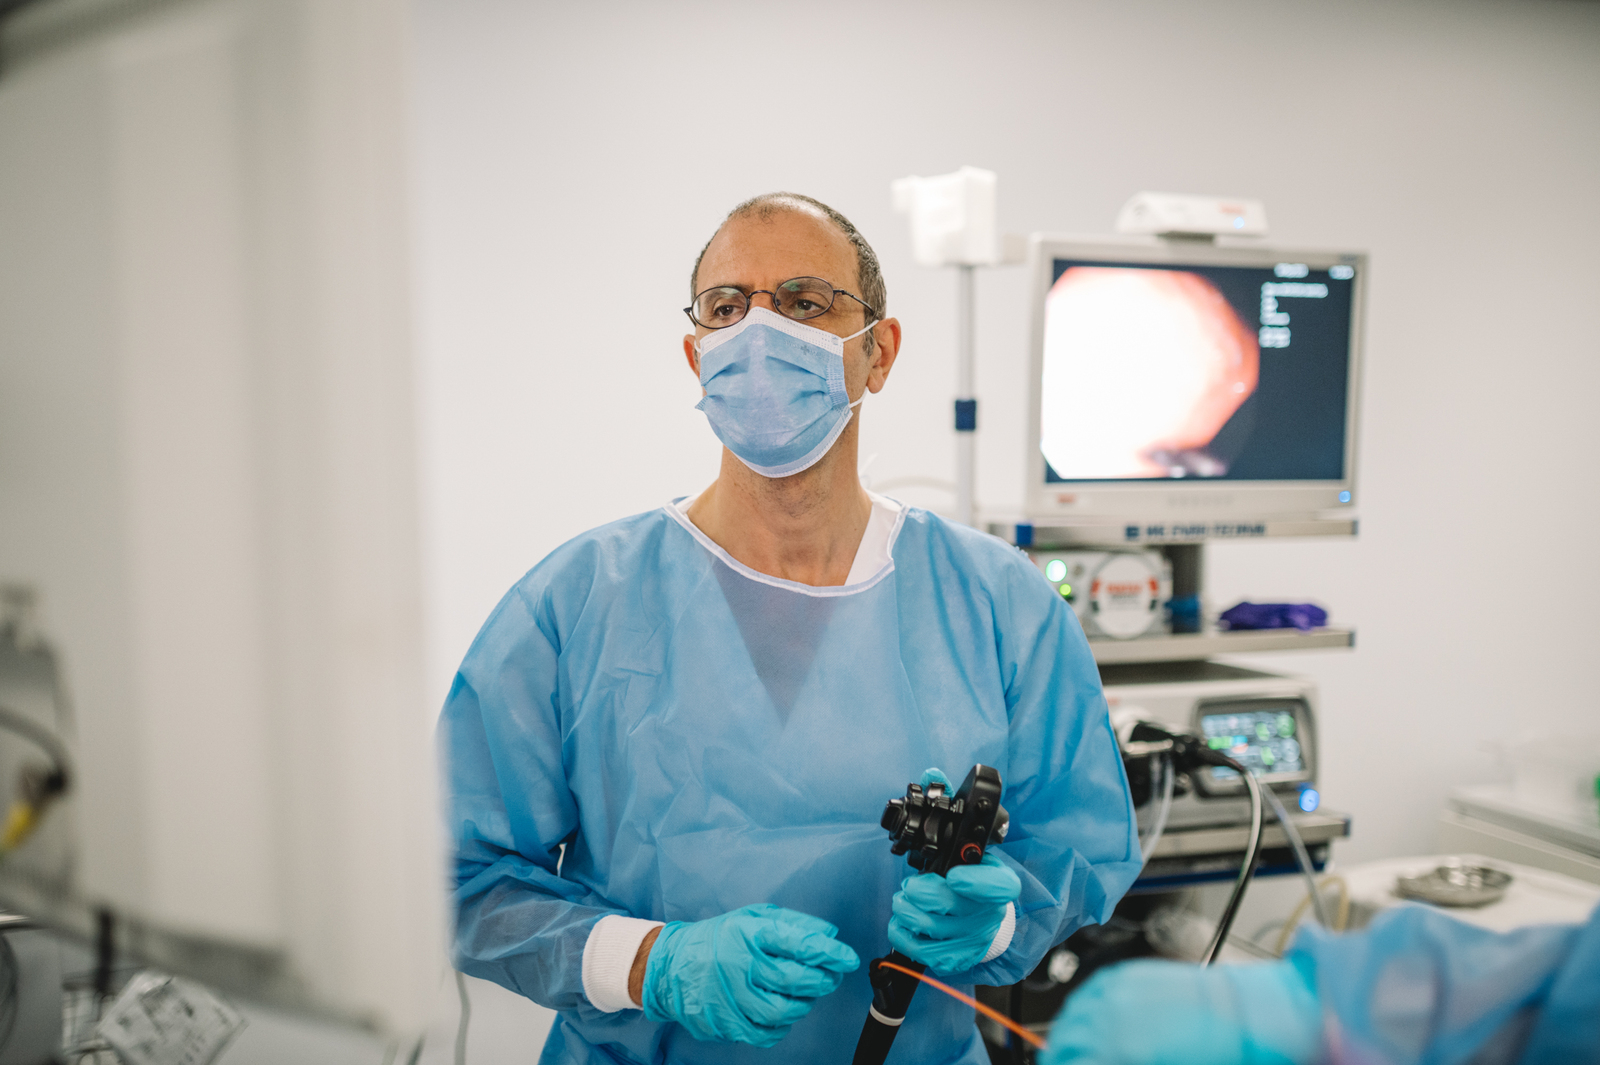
column 971, row 854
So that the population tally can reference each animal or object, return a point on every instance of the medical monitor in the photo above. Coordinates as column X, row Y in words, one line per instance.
column 1189, row 381
column 1271, row 737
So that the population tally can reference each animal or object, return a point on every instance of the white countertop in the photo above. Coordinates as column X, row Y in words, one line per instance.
column 1535, row 896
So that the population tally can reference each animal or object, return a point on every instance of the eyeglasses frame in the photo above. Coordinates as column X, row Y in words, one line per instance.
column 872, row 313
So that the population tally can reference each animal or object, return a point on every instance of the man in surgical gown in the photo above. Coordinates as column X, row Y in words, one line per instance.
column 703, row 708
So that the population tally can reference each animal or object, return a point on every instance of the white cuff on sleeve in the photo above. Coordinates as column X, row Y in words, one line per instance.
column 608, row 956
column 1002, row 940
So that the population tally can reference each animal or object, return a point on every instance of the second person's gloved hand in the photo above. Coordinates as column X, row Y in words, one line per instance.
column 948, row 923
column 745, row 976
column 1169, row 1013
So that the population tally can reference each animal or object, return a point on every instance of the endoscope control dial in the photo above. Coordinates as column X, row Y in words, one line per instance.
column 937, row 832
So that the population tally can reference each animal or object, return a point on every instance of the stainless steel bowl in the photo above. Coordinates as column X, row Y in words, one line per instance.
column 1456, row 884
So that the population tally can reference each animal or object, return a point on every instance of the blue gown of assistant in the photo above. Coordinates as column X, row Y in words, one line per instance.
column 1419, row 987
column 700, row 736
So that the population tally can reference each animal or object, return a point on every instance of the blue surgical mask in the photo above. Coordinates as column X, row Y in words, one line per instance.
column 775, row 391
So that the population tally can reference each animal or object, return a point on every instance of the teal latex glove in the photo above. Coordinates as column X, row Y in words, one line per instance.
column 948, row 923
column 745, row 976
column 1169, row 1013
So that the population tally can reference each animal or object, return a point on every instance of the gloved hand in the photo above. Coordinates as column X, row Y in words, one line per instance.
column 1170, row 1013
column 948, row 923
column 745, row 976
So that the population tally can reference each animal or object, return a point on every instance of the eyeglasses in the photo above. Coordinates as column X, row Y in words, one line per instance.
column 799, row 298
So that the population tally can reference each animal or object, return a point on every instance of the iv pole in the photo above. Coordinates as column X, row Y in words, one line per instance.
column 966, row 402
column 953, row 224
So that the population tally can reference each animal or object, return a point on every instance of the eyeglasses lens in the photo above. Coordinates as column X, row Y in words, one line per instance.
column 716, row 308
column 804, row 297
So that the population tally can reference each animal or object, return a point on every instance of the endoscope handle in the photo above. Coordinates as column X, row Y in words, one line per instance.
column 891, row 998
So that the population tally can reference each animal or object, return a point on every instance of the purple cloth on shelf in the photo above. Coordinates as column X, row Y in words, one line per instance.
column 1302, row 616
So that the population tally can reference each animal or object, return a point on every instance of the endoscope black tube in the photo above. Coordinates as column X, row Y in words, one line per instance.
column 1246, row 870
column 891, row 998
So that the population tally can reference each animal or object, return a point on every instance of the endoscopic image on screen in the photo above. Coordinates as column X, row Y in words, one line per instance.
column 1218, row 372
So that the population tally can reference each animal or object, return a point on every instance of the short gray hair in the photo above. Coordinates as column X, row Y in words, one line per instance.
column 869, row 274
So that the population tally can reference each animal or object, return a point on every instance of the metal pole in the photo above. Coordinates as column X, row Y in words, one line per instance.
column 966, row 403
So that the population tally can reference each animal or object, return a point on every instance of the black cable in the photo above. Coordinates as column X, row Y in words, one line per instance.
column 1189, row 753
column 1247, row 869
column 1019, row 1055
column 9, row 978
column 45, row 740
column 105, row 953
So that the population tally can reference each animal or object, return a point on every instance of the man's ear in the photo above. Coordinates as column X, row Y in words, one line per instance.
column 885, row 349
column 692, row 355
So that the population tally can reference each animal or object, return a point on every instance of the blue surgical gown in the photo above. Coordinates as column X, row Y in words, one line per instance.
column 1419, row 987
column 646, row 727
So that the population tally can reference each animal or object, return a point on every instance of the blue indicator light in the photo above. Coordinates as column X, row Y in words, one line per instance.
column 1238, row 223
column 1344, row 497
column 1309, row 799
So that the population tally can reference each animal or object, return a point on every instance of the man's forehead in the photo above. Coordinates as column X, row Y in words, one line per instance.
column 787, row 239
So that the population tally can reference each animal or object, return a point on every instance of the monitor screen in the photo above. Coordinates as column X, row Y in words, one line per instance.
column 1169, row 371
column 1264, row 741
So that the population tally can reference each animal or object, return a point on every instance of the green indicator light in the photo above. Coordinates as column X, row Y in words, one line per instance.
column 1268, row 758
column 1055, row 570
column 1066, row 591
column 1218, row 742
column 1286, row 724
column 1264, row 731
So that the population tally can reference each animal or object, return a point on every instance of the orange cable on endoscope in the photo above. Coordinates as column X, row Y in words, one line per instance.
column 992, row 1014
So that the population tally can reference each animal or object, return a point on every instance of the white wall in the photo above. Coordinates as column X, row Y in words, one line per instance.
column 571, row 159
column 207, row 472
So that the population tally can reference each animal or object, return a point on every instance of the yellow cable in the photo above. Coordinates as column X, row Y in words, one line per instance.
column 20, row 823
column 1290, row 925
column 1293, row 922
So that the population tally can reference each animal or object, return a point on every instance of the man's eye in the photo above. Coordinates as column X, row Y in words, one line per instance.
column 724, row 310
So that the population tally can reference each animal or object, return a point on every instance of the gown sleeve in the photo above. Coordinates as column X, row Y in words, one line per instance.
column 1419, row 986
column 1073, row 839
column 509, row 810
column 1568, row 1029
